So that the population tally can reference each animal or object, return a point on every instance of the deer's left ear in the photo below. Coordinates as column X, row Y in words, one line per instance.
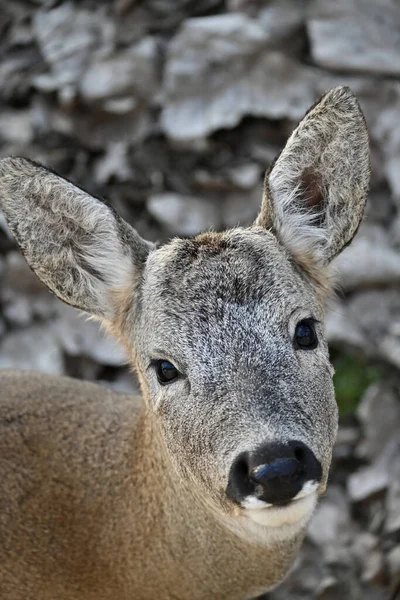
column 315, row 192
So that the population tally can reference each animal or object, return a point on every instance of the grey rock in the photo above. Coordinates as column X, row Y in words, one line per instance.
column 281, row 19
column 366, row 551
column 16, row 127
column 18, row 277
column 17, row 71
column 342, row 330
column 242, row 177
column 24, row 297
column 17, row 310
column 392, row 521
column 209, row 180
column 393, row 560
column 386, row 130
column 3, row 225
column 369, row 261
column 331, row 524
column 392, row 173
column 390, row 347
column 2, row 327
column 114, row 164
column 126, row 73
column 366, row 482
column 125, row 382
column 35, row 348
column 183, row 215
column 344, row 37
column 80, row 337
column 333, row 587
column 377, row 314
column 241, row 209
column 98, row 129
column 68, row 36
column 245, row 176
column 219, row 69
column 379, row 415
column 371, row 480
column 346, row 441
column 394, row 232
column 380, row 208
column 305, row 577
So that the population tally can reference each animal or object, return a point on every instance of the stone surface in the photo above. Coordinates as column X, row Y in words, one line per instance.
column 342, row 330
column 346, row 36
column 219, row 69
column 68, row 37
column 379, row 415
column 23, row 296
column 366, row 551
column 124, row 74
column 34, row 349
column 394, row 563
column 80, row 337
column 392, row 521
column 369, row 261
column 16, row 127
column 374, row 479
column 387, row 131
column 114, row 164
column 185, row 215
column 125, row 382
column 241, row 208
column 377, row 315
column 331, row 524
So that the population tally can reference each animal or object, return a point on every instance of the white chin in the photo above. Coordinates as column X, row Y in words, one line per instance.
column 298, row 511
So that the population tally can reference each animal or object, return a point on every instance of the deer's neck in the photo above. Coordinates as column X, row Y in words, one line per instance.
column 188, row 545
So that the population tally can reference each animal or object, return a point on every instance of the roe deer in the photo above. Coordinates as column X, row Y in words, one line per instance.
column 203, row 489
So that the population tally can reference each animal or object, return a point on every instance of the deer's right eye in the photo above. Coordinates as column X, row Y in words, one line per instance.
column 166, row 372
column 305, row 336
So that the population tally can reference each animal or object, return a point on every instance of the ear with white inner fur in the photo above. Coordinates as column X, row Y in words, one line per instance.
column 316, row 190
column 76, row 244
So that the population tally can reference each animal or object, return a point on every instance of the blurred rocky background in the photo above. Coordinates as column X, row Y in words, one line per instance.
column 173, row 109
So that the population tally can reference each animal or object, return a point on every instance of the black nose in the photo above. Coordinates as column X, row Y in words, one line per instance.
column 274, row 473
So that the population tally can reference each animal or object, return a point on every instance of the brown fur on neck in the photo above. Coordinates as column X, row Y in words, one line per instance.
column 109, row 507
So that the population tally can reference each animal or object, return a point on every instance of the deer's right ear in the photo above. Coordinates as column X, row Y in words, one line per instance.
column 76, row 244
column 315, row 193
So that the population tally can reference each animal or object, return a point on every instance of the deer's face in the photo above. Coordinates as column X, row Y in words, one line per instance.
column 226, row 329
column 231, row 351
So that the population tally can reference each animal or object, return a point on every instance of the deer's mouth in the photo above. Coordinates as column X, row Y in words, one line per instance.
column 298, row 510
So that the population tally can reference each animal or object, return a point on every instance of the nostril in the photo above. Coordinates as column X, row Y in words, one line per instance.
column 239, row 484
column 241, row 467
column 299, row 454
column 311, row 466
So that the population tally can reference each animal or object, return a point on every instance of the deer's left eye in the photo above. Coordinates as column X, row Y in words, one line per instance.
column 305, row 336
column 166, row 372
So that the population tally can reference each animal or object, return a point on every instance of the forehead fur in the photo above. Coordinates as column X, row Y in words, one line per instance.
column 240, row 266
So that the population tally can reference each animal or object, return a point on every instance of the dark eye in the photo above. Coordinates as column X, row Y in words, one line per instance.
column 305, row 336
column 166, row 372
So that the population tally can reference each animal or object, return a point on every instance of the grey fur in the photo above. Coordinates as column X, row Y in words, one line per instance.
column 315, row 193
column 222, row 308
column 76, row 244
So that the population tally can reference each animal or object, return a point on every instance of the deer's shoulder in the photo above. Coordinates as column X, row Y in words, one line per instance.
column 60, row 423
